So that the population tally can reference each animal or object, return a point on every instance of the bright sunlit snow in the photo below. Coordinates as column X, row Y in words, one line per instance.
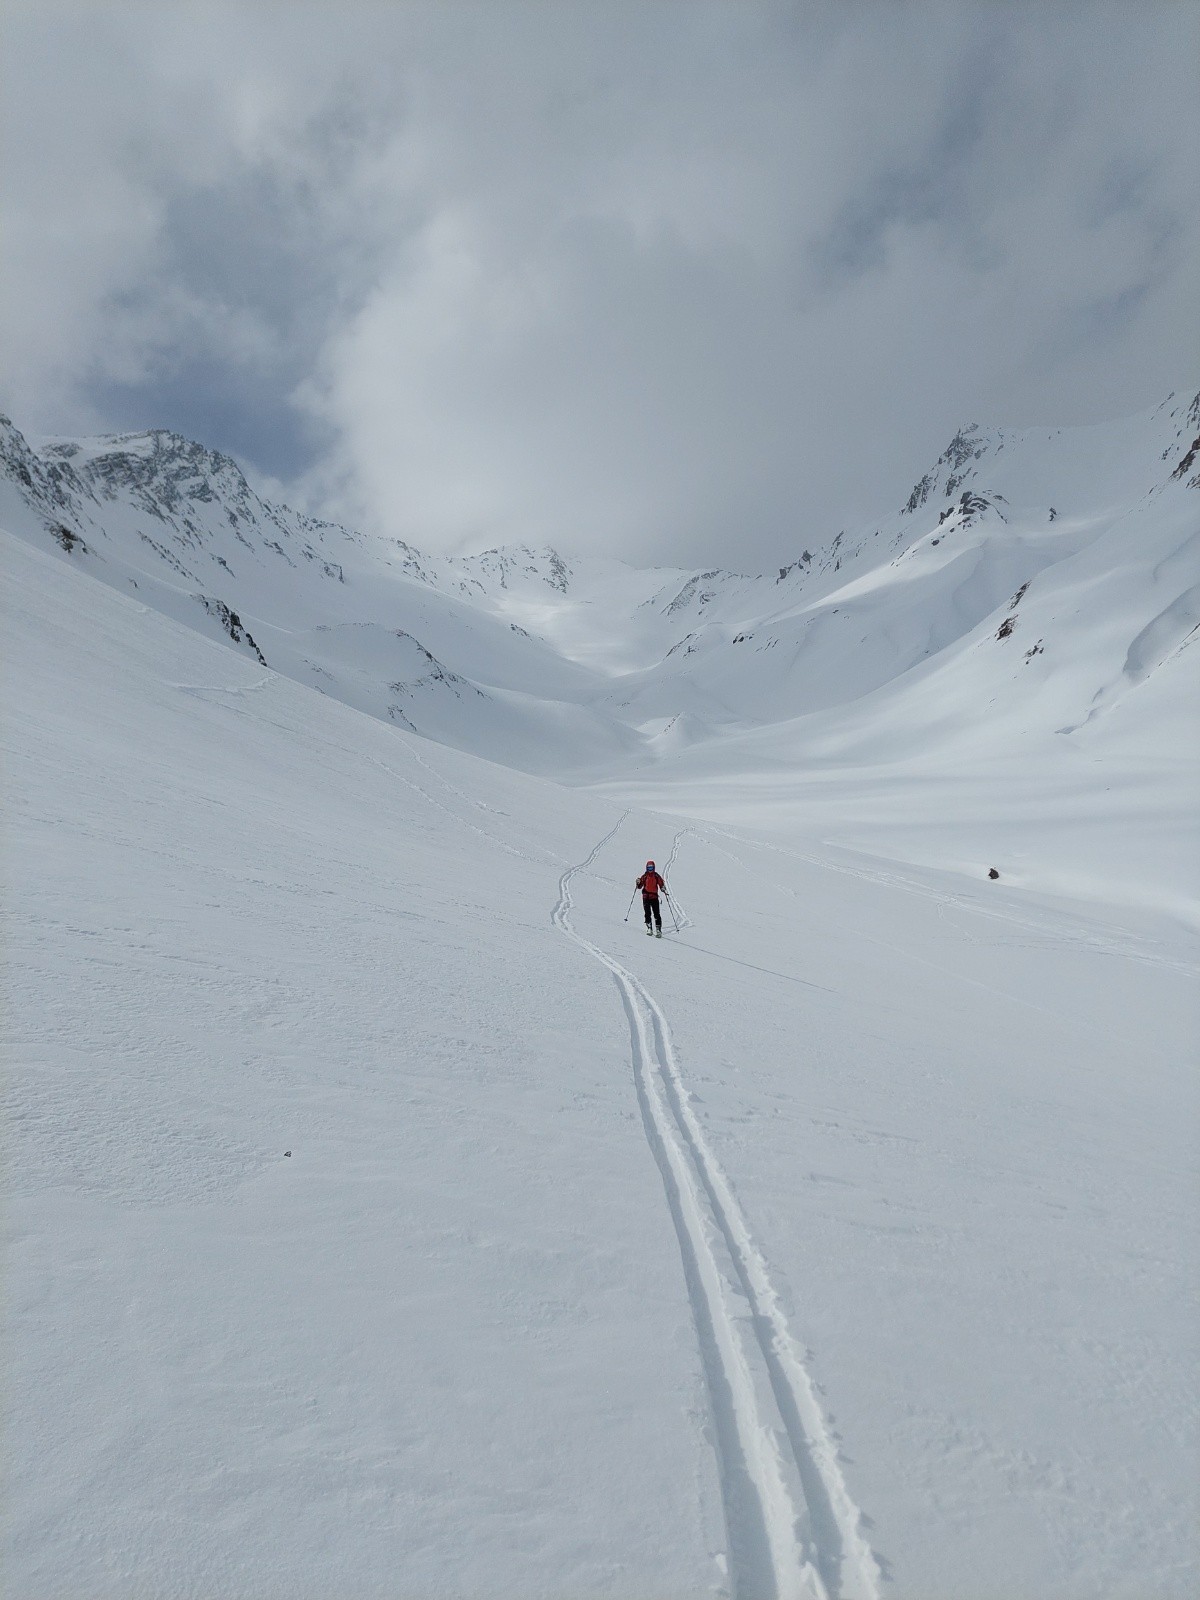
column 390, row 1216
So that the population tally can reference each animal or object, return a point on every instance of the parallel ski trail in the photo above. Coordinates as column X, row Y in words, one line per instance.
column 793, row 1531
column 683, row 919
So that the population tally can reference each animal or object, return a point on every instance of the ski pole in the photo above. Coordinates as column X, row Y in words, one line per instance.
column 632, row 898
column 671, row 903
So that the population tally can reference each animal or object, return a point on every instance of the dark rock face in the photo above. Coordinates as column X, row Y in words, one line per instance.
column 804, row 561
column 170, row 487
column 232, row 624
column 69, row 541
column 558, row 572
column 955, row 461
column 922, row 489
column 694, row 592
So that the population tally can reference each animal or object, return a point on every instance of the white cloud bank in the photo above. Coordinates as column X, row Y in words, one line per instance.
column 686, row 280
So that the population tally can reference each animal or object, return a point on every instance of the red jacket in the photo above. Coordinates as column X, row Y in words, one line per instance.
column 650, row 883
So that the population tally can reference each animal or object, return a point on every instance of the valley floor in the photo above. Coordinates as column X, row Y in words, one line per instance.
column 389, row 1217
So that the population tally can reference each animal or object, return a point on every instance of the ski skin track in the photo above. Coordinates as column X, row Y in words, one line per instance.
column 792, row 1530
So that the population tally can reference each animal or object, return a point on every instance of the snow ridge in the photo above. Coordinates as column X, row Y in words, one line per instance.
column 793, row 1531
column 891, row 635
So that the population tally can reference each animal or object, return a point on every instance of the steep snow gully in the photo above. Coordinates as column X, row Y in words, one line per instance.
column 793, row 1532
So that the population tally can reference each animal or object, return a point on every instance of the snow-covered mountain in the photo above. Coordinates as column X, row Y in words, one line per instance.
column 1030, row 612
column 387, row 1215
column 1041, row 576
column 381, row 628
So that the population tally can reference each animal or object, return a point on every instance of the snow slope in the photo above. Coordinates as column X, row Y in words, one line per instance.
column 177, row 525
column 1016, row 686
column 1031, row 583
column 1002, row 674
column 388, row 1216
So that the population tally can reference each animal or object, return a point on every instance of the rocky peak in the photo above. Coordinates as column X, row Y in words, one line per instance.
column 967, row 446
column 507, row 563
column 159, row 463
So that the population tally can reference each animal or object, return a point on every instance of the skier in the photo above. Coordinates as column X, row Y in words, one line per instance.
column 650, row 883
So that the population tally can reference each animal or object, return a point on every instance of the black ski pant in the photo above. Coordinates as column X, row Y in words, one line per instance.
column 650, row 907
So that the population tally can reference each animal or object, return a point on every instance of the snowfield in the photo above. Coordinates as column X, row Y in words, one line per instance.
column 389, row 1217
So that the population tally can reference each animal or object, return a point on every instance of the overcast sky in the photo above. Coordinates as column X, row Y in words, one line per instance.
column 670, row 279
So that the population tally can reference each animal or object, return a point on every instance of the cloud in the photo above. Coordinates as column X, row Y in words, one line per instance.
column 691, row 282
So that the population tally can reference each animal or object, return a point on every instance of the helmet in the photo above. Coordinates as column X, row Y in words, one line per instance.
column 649, row 866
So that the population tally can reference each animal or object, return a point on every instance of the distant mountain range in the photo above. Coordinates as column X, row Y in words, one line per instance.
column 1028, row 585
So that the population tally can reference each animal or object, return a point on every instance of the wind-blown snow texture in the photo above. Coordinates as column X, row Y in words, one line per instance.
column 388, row 1216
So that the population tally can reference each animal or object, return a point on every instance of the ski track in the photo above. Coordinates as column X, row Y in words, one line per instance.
column 792, row 1530
column 681, row 915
